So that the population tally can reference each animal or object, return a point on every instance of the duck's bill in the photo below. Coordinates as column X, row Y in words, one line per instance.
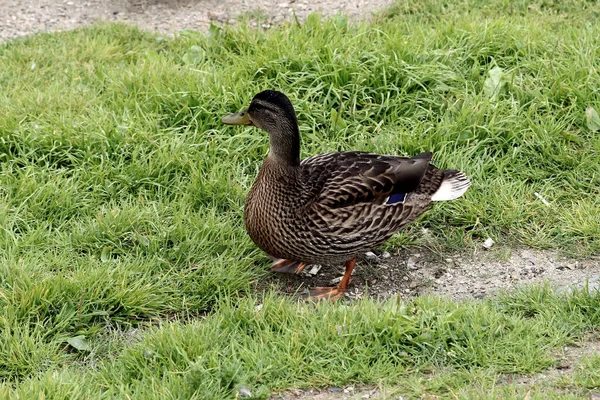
column 240, row 118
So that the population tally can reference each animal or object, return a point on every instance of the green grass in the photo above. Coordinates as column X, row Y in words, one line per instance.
column 121, row 198
column 587, row 373
column 424, row 346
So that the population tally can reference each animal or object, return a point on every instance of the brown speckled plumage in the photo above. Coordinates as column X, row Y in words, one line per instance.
column 329, row 208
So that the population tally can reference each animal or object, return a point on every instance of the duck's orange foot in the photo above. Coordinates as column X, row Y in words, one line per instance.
column 287, row 266
column 334, row 293
column 326, row 293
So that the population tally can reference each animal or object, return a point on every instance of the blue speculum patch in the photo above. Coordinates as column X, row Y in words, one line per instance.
column 396, row 198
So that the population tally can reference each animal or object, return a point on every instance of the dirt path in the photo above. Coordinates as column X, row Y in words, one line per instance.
column 463, row 276
column 23, row 17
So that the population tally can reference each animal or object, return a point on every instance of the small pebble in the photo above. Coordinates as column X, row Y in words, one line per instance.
column 315, row 270
column 385, row 254
column 489, row 242
column 335, row 281
column 411, row 263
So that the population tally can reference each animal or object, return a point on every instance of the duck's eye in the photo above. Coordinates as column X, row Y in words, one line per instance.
column 242, row 113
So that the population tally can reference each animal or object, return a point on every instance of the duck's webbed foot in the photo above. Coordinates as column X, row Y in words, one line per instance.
column 335, row 292
column 332, row 293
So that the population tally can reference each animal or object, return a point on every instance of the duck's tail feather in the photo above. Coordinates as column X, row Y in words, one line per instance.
column 454, row 185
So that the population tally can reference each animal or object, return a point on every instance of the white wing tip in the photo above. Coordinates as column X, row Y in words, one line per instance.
column 454, row 185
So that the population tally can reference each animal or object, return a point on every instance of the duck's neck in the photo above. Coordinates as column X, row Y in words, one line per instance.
column 285, row 144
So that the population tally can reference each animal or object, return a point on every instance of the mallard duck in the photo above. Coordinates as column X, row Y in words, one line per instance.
column 329, row 208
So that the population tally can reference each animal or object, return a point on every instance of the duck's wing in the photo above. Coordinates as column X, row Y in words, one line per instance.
column 343, row 179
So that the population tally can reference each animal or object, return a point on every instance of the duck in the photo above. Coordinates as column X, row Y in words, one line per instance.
column 330, row 208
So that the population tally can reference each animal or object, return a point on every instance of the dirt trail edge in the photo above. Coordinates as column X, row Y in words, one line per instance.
column 24, row 17
column 474, row 275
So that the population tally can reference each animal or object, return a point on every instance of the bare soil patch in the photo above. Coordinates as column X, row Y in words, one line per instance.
column 474, row 275
column 23, row 17
column 335, row 393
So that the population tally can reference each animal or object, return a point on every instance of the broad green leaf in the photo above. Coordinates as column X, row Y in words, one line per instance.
column 214, row 31
column 79, row 343
column 194, row 55
column 144, row 241
column 494, row 82
column 593, row 119
column 105, row 255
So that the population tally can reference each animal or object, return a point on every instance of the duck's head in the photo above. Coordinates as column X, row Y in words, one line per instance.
column 273, row 112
